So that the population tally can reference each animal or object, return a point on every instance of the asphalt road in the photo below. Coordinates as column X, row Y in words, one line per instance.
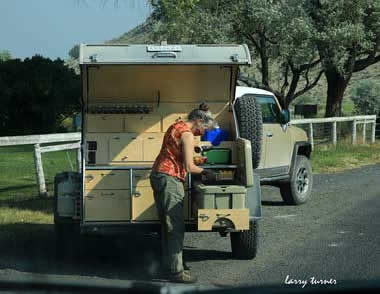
column 334, row 237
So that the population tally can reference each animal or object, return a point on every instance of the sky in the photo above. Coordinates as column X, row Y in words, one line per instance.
column 52, row 27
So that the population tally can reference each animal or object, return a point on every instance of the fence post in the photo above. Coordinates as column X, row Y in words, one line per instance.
column 354, row 132
column 79, row 160
column 334, row 133
column 373, row 133
column 364, row 131
column 311, row 135
column 39, row 171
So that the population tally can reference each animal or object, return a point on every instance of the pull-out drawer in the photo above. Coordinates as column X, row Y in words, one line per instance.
column 106, row 179
column 107, row 205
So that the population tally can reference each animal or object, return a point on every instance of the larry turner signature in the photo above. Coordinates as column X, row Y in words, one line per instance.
column 311, row 281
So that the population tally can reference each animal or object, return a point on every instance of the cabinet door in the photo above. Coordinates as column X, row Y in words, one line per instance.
column 105, row 123
column 106, row 179
column 126, row 148
column 143, row 206
column 152, row 146
column 142, row 123
column 141, row 178
column 107, row 205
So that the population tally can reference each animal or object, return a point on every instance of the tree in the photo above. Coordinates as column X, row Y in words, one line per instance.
column 74, row 52
column 5, row 55
column 278, row 33
column 37, row 94
column 366, row 97
column 348, row 40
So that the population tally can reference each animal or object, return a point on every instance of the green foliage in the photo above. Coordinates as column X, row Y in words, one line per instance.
column 37, row 94
column 74, row 52
column 366, row 97
column 5, row 55
column 346, row 31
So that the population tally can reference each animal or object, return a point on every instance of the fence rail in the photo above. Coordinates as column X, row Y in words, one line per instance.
column 356, row 120
column 36, row 140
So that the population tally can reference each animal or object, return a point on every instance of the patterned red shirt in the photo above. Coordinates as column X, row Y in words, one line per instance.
column 170, row 161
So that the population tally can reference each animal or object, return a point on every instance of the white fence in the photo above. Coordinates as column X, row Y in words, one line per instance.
column 356, row 120
column 36, row 140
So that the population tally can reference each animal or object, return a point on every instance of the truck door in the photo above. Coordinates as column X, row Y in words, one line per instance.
column 276, row 139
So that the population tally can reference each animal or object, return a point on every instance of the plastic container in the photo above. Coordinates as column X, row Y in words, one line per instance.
column 220, row 197
column 215, row 136
column 218, row 156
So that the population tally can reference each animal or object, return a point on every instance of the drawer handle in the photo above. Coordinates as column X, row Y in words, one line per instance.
column 204, row 217
column 137, row 194
column 222, row 215
column 108, row 194
column 90, row 197
column 124, row 158
column 116, row 138
column 151, row 138
column 89, row 178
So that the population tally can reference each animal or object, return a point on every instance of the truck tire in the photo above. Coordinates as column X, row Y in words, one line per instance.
column 248, row 114
column 244, row 244
column 298, row 190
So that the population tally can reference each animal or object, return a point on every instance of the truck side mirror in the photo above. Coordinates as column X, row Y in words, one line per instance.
column 285, row 116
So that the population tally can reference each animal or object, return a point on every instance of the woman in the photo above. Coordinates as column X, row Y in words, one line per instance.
column 169, row 171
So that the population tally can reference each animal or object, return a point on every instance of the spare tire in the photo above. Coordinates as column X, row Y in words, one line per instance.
column 250, row 124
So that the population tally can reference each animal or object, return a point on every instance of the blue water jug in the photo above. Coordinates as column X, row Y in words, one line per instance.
column 215, row 136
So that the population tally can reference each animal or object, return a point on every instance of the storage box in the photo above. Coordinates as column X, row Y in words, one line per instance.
column 220, row 197
column 218, row 156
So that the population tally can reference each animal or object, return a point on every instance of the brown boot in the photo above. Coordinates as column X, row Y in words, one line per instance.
column 182, row 277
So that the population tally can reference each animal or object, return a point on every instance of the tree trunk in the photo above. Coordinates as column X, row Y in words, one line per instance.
column 336, row 85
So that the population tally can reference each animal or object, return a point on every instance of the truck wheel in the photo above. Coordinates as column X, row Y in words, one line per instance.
column 244, row 244
column 67, row 241
column 298, row 190
column 250, row 122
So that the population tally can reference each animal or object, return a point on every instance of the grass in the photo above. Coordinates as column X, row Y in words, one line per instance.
column 330, row 159
column 19, row 201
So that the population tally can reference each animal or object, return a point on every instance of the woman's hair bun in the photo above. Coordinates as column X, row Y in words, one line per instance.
column 203, row 107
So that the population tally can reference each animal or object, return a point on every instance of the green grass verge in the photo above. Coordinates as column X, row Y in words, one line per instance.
column 19, row 200
column 330, row 159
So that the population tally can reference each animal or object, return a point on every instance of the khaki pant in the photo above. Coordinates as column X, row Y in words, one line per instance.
column 169, row 196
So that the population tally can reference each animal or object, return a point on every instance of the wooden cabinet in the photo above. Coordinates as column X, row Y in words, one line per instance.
column 107, row 179
column 151, row 146
column 107, row 205
column 125, row 148
column 105, row 123
column 142, row 123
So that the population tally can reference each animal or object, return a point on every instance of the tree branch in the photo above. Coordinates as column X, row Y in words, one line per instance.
column 308, row 87
column 365, row 62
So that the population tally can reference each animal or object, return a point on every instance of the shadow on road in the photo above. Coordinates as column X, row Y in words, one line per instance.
column 202, row 255
column 273, row 203
column 31, row 248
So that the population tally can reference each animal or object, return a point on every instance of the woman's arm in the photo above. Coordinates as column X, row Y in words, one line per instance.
column 188, row 149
